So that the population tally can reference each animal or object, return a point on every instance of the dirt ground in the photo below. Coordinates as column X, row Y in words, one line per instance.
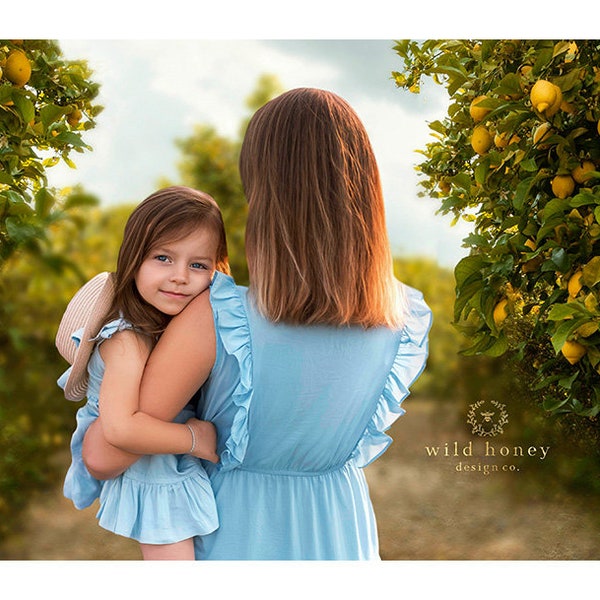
column 428, row 507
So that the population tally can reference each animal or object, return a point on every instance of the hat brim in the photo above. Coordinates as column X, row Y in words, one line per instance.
column 88, row 309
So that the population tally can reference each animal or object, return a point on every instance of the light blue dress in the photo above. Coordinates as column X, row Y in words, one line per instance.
column 161, row 499
column 300, row 410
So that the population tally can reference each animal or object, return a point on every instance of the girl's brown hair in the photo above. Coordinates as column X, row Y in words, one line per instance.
column 168, row 215
column 316, row 237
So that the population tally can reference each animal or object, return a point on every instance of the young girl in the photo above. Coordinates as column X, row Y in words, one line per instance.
column 172, row 245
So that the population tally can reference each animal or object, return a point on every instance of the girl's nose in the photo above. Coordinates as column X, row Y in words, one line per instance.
column 179, row 275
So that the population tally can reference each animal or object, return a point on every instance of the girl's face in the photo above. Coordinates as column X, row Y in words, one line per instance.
column 174, row 273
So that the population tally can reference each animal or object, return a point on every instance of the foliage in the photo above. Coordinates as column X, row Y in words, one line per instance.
column 514, row 167
column 46, row 105
column 36, row 420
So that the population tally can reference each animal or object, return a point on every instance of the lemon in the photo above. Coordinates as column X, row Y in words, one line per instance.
column 575, row 284
column 581, row 172
column 563, row 186
column 543, row 95
column 481, row 139
column 500, row 312
column 444, row 186
column 554, row 107
column 501, row 140
column 74, row 117
column 18, row 68
column 573, row 351
column 478, row 113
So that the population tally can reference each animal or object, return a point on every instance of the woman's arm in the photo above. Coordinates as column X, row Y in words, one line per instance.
column 181, row 361
column 178, row 366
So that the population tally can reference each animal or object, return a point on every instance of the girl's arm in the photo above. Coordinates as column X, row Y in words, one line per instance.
column 124, row 426
column 178, row 366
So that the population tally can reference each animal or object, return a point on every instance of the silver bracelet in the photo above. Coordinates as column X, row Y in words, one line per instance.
column 193, row 438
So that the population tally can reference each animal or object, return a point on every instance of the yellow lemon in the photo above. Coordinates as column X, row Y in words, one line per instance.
column 563, row 186
column 478, row 113
column 573, row 351
column 543, row 95
column 481, row 139
column 500, row 312
column 575, row 284
column 444, row 186
column 581, row 172
column 501, row 140
column 74, row 117
column 18, row 68
column 553, row 108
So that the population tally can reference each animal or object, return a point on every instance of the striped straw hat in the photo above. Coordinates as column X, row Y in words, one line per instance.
column 88, row 309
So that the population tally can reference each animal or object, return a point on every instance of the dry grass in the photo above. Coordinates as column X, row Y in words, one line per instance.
column 426, row 510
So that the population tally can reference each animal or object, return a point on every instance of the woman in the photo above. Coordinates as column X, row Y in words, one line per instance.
column 303, row 371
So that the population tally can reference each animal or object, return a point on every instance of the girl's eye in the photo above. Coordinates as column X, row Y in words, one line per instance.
column 198, row 266
column 161, row 257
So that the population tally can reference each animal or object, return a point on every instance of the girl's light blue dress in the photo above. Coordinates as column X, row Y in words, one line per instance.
column 161, row 499
column 300, row 410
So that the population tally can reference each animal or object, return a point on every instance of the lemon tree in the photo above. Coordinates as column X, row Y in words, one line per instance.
column 46, row 106
column 518, row 156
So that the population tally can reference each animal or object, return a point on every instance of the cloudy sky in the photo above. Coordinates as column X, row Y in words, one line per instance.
column 154, row 91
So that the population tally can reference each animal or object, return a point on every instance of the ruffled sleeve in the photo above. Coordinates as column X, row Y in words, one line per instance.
column 106, row 332
column 408, row 364
column 111, row 328
column 234, row 334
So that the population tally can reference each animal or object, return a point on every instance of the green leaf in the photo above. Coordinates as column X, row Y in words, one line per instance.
column 564, row 331
column 560, row 312
column 69, row 137
column 44, row 201
column 553, row 404
column 25, row 107
column 591, row 272
column 6, row 178
column 50, row 113
column 466, row 268
column 522, row 192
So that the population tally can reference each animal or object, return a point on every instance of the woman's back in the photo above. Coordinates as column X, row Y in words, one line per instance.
column 306, row 410
column 315, row 390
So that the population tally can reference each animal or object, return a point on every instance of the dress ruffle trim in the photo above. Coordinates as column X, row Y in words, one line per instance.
column 409, row 363
column 234, row 333
column 105, row 333
column 158, row 513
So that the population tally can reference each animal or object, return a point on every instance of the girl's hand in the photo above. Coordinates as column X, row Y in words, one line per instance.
column 206, row 440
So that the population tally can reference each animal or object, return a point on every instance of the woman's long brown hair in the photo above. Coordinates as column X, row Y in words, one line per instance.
column 167, row 215
column 316, row 237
